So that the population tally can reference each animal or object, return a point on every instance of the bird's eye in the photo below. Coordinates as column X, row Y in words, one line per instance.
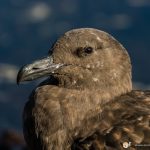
column 82, row 52
column 88, row 50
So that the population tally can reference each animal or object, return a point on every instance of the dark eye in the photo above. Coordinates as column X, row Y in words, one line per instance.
column 88, row 50
column 84, row 51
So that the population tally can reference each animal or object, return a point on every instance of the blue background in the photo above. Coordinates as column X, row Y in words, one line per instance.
column 29, row 27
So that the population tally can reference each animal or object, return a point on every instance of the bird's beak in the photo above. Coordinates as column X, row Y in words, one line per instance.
column 37, row 69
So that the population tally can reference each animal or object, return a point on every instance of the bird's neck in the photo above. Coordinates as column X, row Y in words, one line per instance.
column 107, row 88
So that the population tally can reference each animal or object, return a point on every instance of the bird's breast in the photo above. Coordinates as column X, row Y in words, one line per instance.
column 58, row 108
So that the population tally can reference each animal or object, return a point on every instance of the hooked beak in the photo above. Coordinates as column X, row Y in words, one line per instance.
column 37, row 69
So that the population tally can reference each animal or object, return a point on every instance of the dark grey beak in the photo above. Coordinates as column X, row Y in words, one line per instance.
column 37, row 69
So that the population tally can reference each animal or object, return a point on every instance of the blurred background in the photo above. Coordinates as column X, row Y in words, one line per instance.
column 29, row 27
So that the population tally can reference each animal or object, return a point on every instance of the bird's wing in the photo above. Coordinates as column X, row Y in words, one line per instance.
column 125, row 124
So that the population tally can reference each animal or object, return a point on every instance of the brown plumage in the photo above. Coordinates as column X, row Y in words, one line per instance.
column 88, row 102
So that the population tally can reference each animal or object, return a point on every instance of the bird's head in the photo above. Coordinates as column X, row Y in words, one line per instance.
column 83, row 58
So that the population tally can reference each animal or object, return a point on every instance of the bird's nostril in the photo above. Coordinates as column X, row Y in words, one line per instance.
column 35, row 68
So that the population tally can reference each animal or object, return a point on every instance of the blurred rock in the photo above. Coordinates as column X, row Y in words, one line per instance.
column 10, row 140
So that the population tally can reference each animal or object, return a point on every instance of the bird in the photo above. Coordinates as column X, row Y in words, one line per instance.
column 87, row 101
